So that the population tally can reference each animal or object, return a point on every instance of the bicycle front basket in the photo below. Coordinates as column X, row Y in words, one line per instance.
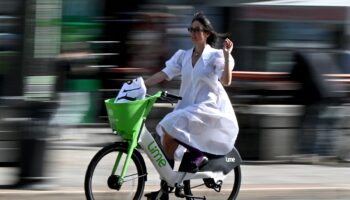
column 126, row 118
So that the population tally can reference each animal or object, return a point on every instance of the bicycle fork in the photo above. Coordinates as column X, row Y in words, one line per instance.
column 116, row 181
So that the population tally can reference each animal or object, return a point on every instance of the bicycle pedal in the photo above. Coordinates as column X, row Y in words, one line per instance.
column 217, row 186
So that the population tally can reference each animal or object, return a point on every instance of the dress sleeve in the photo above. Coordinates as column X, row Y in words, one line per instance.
column 174, row 64
column 219, row 62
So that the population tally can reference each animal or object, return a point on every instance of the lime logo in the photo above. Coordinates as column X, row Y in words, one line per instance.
column 155, row 151
column 230, row 159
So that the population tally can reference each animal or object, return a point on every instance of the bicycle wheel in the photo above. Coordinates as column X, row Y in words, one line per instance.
column 99, row 183
column 229, row 188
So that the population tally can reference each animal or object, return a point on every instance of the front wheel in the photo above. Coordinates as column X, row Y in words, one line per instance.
column 100, row 183
column 229, row 187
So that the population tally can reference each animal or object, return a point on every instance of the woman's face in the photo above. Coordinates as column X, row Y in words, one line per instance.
column 198, row 35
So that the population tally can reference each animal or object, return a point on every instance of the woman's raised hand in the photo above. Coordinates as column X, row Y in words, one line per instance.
column 227, row 46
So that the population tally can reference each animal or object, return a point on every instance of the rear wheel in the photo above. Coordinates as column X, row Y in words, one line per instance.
column 100, row 183
column 229, row 187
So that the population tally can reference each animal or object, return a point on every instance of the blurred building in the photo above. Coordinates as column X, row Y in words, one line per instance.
column 98, row 44
column 11, row 70
column 272, row 32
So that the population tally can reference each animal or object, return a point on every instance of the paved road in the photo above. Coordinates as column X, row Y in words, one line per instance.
column 66, row 168
column 304, row 194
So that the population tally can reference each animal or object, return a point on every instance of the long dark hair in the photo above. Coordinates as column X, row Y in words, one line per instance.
column 211, row 40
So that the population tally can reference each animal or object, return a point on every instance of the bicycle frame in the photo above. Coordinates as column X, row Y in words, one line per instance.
column 155, row 153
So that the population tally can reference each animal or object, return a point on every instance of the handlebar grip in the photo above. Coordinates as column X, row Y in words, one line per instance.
column 173, row 96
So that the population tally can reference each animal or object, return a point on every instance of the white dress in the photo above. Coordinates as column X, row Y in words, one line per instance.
column 204, row 118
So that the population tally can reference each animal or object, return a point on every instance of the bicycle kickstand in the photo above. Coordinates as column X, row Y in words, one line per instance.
column 179, row 192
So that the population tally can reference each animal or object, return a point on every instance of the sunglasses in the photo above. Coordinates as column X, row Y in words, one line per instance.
column 195, row 30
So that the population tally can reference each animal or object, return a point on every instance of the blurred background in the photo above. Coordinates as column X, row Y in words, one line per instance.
column 60, row 59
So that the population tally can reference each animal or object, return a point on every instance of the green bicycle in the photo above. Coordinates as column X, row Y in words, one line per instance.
column 125, row 178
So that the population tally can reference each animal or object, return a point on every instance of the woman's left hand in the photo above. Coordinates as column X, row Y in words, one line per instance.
column 227, row 46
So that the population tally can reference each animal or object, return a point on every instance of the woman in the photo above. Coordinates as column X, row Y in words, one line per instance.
column 204, row 119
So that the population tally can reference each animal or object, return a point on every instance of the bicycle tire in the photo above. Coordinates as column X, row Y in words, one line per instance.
column 97, row 188
column 204, row 191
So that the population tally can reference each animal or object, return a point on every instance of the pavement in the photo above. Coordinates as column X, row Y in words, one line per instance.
column 69, row 155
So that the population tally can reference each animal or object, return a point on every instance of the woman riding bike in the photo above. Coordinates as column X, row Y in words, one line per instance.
column 204, row 120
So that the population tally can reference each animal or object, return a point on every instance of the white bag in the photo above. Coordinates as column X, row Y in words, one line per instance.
column 131, row 91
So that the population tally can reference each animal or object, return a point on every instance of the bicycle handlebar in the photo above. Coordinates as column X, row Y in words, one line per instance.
column 172, row 96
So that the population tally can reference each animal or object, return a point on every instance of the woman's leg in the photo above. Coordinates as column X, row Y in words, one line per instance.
column 198, row 159
column 170, row 145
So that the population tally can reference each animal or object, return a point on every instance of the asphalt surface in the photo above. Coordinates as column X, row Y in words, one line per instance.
column 67, row 160
column 66, row 170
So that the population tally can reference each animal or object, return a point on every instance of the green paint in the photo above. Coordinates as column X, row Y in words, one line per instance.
column 156, row 154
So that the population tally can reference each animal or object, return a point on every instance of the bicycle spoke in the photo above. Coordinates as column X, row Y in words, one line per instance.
column 133, row 178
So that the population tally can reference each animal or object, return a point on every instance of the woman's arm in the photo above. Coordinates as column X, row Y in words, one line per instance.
column 155, row 78
column 226, row 77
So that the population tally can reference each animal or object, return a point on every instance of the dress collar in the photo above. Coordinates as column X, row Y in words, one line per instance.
column 205, row 54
